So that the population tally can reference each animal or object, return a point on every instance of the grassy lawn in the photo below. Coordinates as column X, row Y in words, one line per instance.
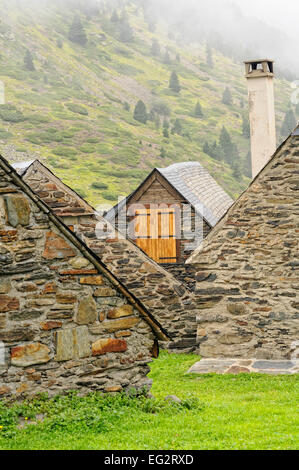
column 217, row 412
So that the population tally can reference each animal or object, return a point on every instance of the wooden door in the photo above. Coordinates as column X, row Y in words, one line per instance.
column 155, row 234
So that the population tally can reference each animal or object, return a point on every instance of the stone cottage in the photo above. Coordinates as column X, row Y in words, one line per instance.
column 247, row 268
column 170, row 213
column 168, row 299
column 66, row 321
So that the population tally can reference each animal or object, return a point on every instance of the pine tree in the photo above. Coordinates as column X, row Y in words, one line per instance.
column 206, row 148
column 166, row 58
column 178, row 58
column 152, row 115
column 77, row 33
column 210, row 61
column 245, row 127
column 59, row 43
column 166, row 124
column 235, row 156
column 198, row 110
column 155, row 49
column 247, row 168
column 165, row 133
column 237, row 171
column 127, row 106
column 174, row 83
column 114, row 17
column 126, row 32
column 227, row 97
column 226, row 144
column 157, row 121
column 289, row 123
column 162, row 152
column 177, row 127
column 28, row 61
column 140, row 113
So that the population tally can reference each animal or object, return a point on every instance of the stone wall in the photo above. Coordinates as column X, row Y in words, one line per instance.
column 167, row 298
column 64, row 319
column 247, row 268
column 170, row 301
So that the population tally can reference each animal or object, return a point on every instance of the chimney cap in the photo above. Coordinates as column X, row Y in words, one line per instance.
column 259, row 61
column 259, row 68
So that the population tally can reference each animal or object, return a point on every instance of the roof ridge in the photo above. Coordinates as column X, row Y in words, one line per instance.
column 86, row 251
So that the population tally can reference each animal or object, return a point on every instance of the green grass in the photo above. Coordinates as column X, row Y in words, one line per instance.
column 217, row 412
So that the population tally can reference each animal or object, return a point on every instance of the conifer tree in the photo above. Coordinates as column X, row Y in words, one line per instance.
column 206, row 148
column 210, row 61
column 247, row 169
column 114, row 17
column 126, row 32
column 227, row 97
column 165, row 133
column 77, row 33
column 140, row 113
column 226, row 144
column 289, row 123
column 198, row 110
column 155, row 49
column 245, row 127
column 177, row 127
column 174, row 83
column 28, row 61
column 166, row 58
column 166, row 124
column 162, row 152
column 237, row 171
column 157, row 121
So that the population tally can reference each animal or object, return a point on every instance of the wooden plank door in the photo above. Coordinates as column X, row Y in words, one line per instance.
column 155, row 233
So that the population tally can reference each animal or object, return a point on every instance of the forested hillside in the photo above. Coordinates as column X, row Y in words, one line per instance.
column 103, row 92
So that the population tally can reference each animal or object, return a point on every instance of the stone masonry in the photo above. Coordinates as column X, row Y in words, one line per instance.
column 66, row 322
column 247, row 268
column 168, row 299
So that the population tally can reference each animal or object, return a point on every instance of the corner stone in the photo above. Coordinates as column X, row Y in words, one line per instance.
column 35, row 353
column 18, row 210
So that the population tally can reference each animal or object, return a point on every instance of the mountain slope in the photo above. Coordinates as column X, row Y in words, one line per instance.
column 75, row 110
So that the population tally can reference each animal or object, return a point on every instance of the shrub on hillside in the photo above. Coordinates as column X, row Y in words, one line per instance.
column 99, row 185
column 109, row 196
column 10, row 113
column 77, row 108
column 65, row 152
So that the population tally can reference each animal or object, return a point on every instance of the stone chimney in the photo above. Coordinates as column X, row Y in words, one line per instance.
column 260, row 74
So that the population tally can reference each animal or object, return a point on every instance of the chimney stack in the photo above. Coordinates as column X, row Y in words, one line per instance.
column 260, row 74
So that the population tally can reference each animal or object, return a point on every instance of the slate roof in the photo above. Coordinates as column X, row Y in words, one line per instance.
column 199, row 188
column 22, row 167
column 196, row 185
column 296, row 131
column 70, row 204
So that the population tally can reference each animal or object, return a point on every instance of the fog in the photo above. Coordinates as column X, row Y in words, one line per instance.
column 282, row 14
column 240, row 29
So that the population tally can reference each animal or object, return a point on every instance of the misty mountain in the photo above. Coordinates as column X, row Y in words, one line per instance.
column 103, row 92
column 227, row 29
